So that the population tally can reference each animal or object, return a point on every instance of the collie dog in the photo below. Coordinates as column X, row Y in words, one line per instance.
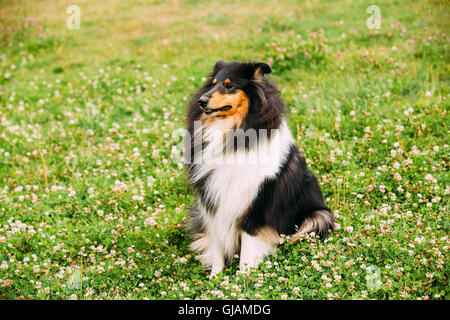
column 251, row 181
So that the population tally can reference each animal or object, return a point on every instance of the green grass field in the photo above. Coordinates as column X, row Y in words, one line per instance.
column 93, row 206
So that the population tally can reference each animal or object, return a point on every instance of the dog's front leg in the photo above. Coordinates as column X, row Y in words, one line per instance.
column 253, row 251
column 218, row 261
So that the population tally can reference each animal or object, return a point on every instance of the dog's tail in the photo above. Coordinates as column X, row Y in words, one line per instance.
column 196, row 229
column 321, row 222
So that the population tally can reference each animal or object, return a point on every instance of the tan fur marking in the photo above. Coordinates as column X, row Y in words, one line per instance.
column 269, row 235
column 239, row 107
column 200, row 244
column 227, row 81
column 258, row 76
column 214, row 81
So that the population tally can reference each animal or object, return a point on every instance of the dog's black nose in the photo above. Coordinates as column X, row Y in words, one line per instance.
column 203, row 101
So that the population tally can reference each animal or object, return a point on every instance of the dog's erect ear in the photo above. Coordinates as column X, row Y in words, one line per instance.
column 261, row 69
column 265, row 68
column 219, row 65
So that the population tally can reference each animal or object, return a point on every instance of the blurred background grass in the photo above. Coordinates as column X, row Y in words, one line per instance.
column 189, row 33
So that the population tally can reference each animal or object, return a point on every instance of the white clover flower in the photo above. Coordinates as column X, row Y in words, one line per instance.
column 4, row 265
column 348, row 229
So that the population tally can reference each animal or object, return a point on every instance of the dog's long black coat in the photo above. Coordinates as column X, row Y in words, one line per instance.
column 285, row 201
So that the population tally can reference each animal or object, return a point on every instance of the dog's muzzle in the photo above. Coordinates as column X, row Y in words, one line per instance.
column 208, row 110
column 203, row 103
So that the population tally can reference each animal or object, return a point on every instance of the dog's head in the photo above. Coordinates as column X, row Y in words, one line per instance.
column 241, row 93
column 226, row 87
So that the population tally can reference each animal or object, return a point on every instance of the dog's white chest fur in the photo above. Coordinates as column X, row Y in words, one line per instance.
column 234, row 181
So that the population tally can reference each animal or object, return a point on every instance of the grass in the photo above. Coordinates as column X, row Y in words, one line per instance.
column 92, row 206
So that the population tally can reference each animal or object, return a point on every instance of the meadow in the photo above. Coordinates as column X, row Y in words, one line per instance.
column 94, row 205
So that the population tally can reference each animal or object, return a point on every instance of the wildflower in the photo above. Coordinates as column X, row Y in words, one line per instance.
column 348, row 229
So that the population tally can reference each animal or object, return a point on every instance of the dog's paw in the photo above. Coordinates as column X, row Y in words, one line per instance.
column 212, row 276
column 245, row 269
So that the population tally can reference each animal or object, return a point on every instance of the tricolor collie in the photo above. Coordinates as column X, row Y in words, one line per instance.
column 251, row 181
